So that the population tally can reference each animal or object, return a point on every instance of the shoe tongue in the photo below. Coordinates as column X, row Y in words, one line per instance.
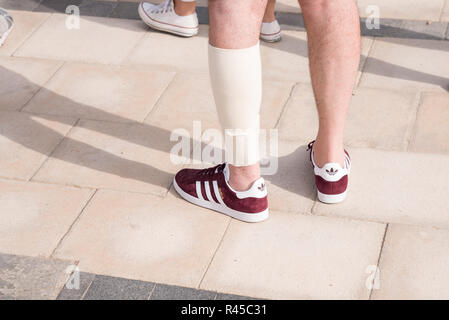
column 226, row 172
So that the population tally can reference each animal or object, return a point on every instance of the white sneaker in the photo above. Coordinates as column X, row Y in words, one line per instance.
column 270, row 31
column 6, row 24
column 164, row 18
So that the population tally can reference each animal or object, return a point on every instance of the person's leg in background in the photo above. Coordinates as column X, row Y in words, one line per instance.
column 179, row 17
column 234, row 188
column 184, row 7
column 173, row 16
column 270, row 31
column 269, row 11
column 333, row 32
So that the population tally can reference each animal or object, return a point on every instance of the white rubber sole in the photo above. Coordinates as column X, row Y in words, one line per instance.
column 247, row 217
column 180, row 31
column 331, row 198
column 272, row 37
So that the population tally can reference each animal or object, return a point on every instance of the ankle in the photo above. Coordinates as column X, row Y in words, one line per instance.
column 184, row 8
column 242, row 178
column 325, row 151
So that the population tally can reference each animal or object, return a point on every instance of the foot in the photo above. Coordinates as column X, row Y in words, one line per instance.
column 270, row 31
column 331, row 179
column 209, row 188
column 163, row 17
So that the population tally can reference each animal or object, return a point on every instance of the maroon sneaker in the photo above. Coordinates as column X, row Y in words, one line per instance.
column 209, row 188
column 332, row 179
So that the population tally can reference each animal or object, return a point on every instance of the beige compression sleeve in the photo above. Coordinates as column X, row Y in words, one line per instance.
column 236, row 80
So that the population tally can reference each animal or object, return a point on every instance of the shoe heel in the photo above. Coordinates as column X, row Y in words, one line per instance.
column 331, row 198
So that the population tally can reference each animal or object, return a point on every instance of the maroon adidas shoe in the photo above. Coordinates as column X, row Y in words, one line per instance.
column 332, row 179
column 209, row 188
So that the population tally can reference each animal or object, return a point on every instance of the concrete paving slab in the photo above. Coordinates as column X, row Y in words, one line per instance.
column 145, row 238
column 35, row 217
column 29, row 139
column 293, row 256
column 100, row 92
column 397, row 187
column 432, row 130
column 21, row 79
column 93, row 42
column 112, row 155
column 25, row 278
column 413, row 264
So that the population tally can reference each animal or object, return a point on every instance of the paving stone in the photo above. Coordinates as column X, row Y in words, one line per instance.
column 19, row 5
column 404, row 9
column 59, row 6
column 76, row 293
column 286, row 60
column 291, row 19
column 202, row 14
column 128, row 157
column 92, row 42
column 431, row 129
column 397, row 187
column 377, row 118
column 159, row 50
column 26, row 278
column 414, row 264
column 224, row 296
column 112, row 288
column 25, row 23
column 291, row 256
column 193, row 92
column 287, row 6
column 101, row 92
column 21, row 78
column 165, row 292
column 44, row 215
column 29, row 140
column 401, row 63
column 292, row 186
column 97, row 8
column 126, row 10
column 143, row 237
column 424, row 30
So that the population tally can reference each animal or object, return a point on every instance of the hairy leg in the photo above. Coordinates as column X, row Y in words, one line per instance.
column 333, row 32
column 235, row 24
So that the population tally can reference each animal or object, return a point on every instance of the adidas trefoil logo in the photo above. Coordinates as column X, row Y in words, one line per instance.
column 332, row 172
column 261, row 187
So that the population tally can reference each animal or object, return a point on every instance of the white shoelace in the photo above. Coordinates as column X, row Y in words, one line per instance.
column 163, row 7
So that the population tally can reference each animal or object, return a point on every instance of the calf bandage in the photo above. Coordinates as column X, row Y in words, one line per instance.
column 236, row 79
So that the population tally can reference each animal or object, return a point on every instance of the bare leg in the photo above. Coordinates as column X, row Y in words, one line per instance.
column 235, row 24
column 269, row 11
column 333, row 32
column 184, row 8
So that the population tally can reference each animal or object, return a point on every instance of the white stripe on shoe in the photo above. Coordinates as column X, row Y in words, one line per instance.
column 208, row 194
column 199, row 194
column 217, row 193
column 221, row 207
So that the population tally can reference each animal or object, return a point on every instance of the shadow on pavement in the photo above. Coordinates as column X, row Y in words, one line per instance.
column 153, row 138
